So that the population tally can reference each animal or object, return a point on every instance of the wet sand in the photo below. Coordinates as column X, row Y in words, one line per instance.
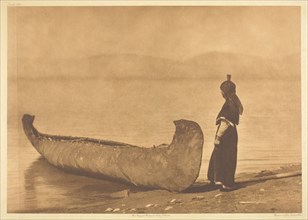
column 282, row 195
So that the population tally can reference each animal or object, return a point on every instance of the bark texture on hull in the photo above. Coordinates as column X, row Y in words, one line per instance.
column 174, row 167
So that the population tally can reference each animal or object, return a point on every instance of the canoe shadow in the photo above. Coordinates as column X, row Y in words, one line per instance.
column 200, row 188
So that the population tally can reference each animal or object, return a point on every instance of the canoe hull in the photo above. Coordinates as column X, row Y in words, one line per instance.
column 174, row 167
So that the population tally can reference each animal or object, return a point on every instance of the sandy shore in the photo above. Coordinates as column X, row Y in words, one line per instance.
column 282, row 195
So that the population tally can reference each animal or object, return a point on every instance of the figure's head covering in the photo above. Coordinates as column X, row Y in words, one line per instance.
column 228, row 86
column 229, row 92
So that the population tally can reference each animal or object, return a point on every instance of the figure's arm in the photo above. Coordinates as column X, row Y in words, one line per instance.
column 222, row 128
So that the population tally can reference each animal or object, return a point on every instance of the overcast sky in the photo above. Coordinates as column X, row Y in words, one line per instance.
column 169, row 32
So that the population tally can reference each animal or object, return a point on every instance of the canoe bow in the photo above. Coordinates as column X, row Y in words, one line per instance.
column 174, row 167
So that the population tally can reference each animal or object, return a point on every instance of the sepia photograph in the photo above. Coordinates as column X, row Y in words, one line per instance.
column 162, row 110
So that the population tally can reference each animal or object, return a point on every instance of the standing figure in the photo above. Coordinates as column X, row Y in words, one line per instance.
column 222, row 165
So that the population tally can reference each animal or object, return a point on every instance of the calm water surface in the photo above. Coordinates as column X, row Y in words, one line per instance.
column 140, row 112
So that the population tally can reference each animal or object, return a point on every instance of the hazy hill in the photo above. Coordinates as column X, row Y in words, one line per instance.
column 130, row 66
column 103, row 66
column 246, row 66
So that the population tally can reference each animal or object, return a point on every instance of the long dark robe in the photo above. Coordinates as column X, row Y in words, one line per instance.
column 224, row 156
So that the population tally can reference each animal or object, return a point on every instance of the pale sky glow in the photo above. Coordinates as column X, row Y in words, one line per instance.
column 169, row 32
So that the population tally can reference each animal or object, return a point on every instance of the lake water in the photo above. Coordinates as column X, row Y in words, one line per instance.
column 140, row 112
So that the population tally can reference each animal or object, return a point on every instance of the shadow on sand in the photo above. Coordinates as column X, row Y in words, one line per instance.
column 206, row 187
column 200, row 187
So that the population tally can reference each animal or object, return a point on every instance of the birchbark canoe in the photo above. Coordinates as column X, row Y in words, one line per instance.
column 174, row 167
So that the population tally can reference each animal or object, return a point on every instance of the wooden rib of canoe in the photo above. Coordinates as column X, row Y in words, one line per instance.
column 174, row 167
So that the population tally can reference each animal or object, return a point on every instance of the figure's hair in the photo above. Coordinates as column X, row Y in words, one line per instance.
column 229, row 93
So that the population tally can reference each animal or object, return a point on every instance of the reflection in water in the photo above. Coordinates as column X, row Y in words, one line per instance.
column 50, row 188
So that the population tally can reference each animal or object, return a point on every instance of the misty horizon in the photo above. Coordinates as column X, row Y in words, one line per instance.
column 129, row 66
